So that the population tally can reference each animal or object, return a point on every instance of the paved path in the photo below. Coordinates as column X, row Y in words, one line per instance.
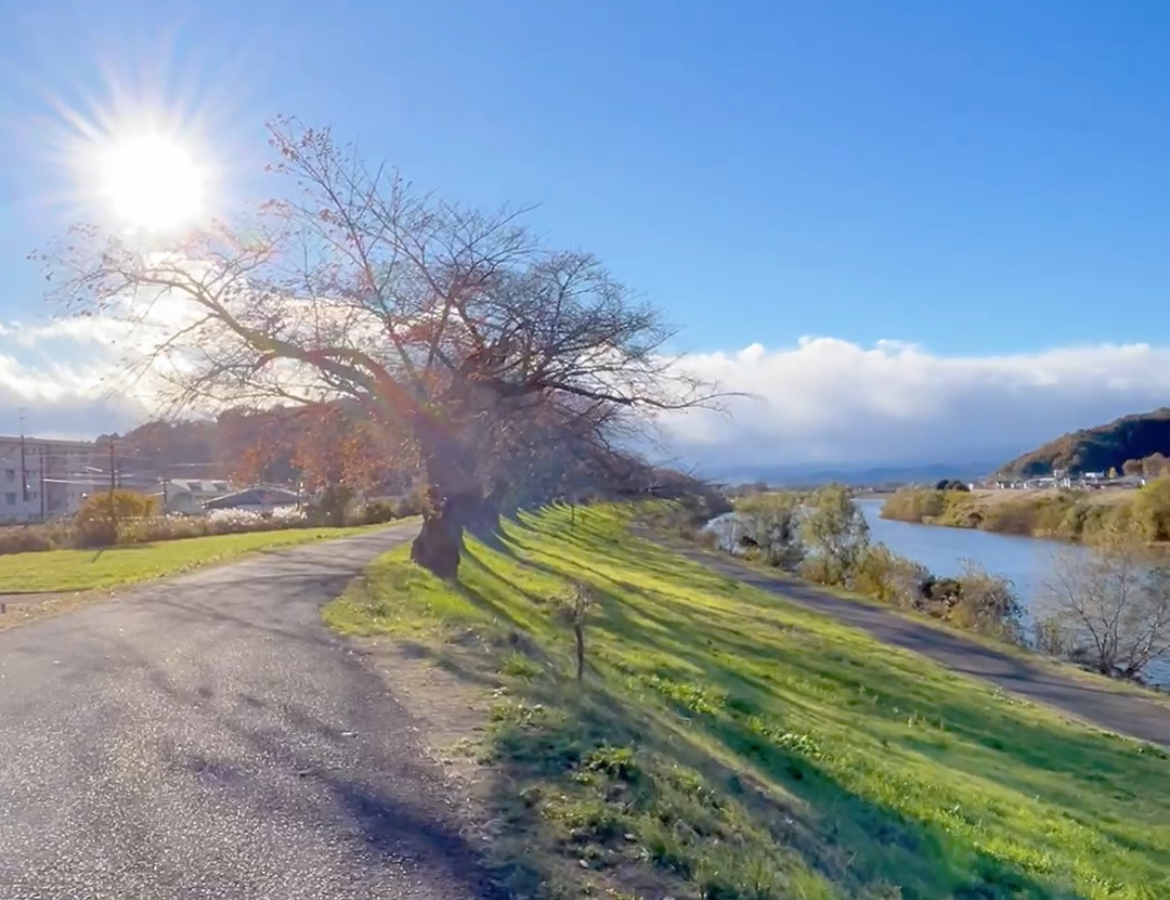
column 207, row 737
column 1119, row 712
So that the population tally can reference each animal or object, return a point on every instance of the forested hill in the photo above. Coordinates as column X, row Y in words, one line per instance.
column 1130, row 438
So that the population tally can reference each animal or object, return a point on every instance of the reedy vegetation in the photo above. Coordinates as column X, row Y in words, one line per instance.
column 1064, row 515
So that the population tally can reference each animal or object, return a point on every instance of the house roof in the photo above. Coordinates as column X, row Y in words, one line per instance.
column 199, row 485
column 254, row 496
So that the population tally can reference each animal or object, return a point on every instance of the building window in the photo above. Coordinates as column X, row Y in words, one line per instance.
column 10, row 498
column 10, row 474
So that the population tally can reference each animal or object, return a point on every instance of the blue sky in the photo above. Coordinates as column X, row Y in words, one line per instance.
column 980, row 179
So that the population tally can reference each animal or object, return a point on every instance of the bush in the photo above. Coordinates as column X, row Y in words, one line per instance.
column 26, row 539
column 987, row 603
column 335, row 506
column 115, row 506
column 913, row 505
column 377, row 512
column 768, row 524
column 835, row 533
column 890, row 578
column 1151, row 510
column 97, row 522
column 414, row 503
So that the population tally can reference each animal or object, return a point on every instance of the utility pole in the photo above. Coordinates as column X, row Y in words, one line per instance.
column 23, row 470
column 113, row 483
column 43, row 484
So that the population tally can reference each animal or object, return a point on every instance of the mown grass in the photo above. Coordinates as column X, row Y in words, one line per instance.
column 729, row 745
column 82, row 570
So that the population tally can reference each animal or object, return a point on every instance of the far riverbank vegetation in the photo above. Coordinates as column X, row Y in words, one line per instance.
column 1058, row 513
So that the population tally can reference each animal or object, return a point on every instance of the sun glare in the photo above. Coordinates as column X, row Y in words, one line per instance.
column 152, row 182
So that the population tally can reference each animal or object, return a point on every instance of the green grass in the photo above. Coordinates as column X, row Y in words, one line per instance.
column 81, row 570
column 729, row 745
column 1059, row 668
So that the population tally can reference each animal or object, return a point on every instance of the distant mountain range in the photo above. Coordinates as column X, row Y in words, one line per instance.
column 857, row 476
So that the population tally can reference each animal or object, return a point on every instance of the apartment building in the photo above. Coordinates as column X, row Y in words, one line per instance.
column 42, row 478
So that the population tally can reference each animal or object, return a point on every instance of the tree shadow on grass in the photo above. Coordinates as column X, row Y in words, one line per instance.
column 811, row 822
column 881, row 842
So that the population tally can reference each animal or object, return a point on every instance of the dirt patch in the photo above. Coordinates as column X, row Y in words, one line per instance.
column 450, row 704
column 18, row 609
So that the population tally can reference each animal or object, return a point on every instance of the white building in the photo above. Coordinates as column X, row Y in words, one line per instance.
column 187, row 495
column 42, row 478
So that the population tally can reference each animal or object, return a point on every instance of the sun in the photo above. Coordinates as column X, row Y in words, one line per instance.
column 152, row 182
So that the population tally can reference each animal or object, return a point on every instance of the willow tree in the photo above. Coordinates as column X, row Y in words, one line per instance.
column 449, row 323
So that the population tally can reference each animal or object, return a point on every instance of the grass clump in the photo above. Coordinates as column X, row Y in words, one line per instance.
column 725, row 744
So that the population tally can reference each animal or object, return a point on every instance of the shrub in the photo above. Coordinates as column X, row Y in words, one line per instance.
column 333, row 507
column 1108, row 607
column 115, row 506
column 377, row 512
column 834, row 530
column 26, row 539
column 414, row 503
column 988, row 604
column 1151, row 510
column 769, row 525
column 914, row 505
column 890, row 578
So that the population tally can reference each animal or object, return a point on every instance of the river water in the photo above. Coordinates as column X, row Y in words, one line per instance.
column 1025, row 561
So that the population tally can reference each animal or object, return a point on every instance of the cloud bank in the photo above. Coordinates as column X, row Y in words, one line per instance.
column 821, row 402
column 828, row 401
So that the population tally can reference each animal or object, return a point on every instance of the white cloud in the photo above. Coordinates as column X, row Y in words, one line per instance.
column 63, row 378
column 820, row 401
column 830, row 401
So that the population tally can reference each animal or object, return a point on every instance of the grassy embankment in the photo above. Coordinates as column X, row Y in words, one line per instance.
column 82, row 570
column 1053, row 513
column 727, row 744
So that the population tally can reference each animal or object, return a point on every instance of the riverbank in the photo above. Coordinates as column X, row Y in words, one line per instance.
column 725, row 741
column 1057, row 514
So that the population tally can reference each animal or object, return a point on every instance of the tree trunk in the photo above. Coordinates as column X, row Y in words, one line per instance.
column 457, row 501
column 440, row 542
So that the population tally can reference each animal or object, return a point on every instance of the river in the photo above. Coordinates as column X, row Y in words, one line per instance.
column 1025, row 561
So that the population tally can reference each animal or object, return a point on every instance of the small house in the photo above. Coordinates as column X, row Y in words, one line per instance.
column 258, row 499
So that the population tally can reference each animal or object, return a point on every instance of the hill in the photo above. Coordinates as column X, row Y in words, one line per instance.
column 1098, row 449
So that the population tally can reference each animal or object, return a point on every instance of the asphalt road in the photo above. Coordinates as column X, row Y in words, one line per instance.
column 208, row 737
column 1118, row 712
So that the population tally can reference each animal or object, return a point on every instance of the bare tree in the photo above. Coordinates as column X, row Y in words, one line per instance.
column 448, row 323
column 1108, row 605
